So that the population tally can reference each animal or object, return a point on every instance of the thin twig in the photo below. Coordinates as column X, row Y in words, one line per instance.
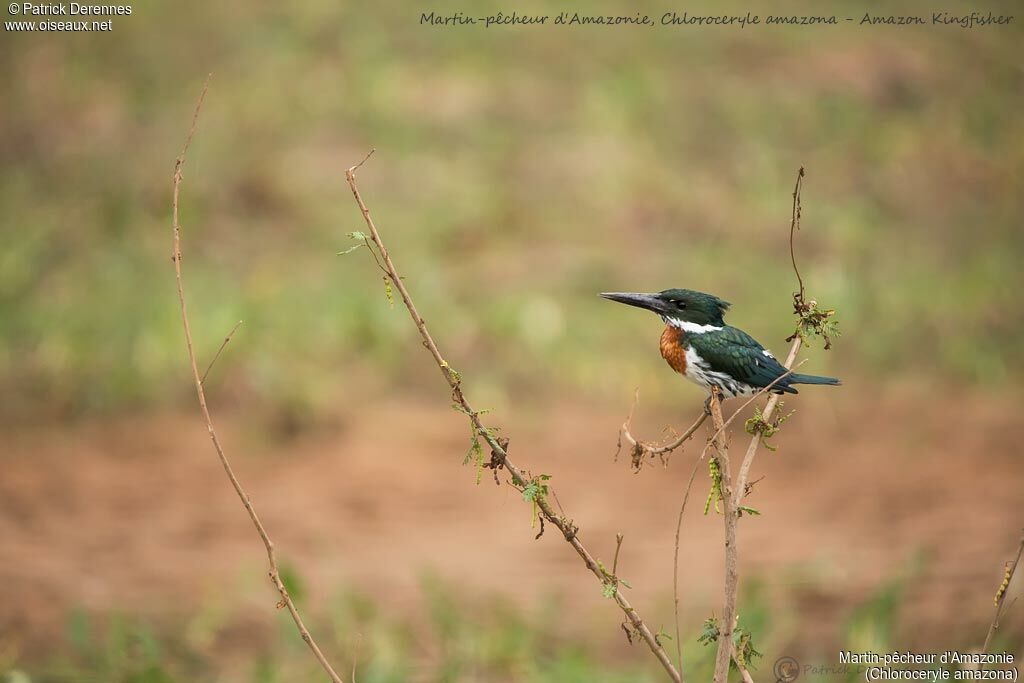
column 1001, row 595
column 794, row 225
column 664, row 448
column 686, row 498
column 618, row 547
column 744, row 672
column 794, row 349
column 569, row 531
column 733, row 499
column 675, row 562
column 275, row 576
column 766, row 415
column 355, row 655
column 219, row 351
column 768, row 387
column 725, row 642
column 558, row 503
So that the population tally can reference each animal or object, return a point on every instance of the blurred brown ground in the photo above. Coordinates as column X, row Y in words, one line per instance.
column 135, row 514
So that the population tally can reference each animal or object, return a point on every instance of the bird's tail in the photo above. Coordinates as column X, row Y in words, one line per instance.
column 812, row 379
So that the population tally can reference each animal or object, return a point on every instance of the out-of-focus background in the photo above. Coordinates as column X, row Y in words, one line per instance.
column 518, row 172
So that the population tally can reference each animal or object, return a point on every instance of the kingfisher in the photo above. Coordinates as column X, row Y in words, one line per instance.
column 699, row 345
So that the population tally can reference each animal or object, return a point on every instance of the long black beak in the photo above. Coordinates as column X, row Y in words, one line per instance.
column 651, row 302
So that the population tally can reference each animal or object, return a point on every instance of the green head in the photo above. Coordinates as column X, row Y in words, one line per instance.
column 677, row 305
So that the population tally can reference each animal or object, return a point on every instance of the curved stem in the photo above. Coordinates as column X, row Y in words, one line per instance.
column 274, row 573
column 569, row 530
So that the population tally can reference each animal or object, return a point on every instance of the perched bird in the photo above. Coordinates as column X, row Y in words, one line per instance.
column 700, row 346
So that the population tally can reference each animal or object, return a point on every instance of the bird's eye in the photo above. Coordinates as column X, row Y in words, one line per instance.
column 680, row 304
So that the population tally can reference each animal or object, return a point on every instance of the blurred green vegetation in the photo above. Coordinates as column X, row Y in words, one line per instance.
column 452, row 637
column 519, row 171
column 453, row 640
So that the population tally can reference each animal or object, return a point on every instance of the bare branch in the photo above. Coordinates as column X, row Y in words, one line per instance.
column 274, row 573
column 220, row 350
column 641, row 449
column 794, row 349
column 725, row 642
column 1000, row 598
column 766, row 415
column 360, row 164
column 757, row 394
column 675, row 561
column 519, row 478
column 733, row 499
column 686, row 498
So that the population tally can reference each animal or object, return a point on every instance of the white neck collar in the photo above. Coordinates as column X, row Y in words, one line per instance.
column 687, row 326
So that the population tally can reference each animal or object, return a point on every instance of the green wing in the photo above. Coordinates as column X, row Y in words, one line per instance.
column 736, row 353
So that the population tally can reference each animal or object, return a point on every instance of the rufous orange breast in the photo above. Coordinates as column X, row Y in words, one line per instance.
column 672, row 349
